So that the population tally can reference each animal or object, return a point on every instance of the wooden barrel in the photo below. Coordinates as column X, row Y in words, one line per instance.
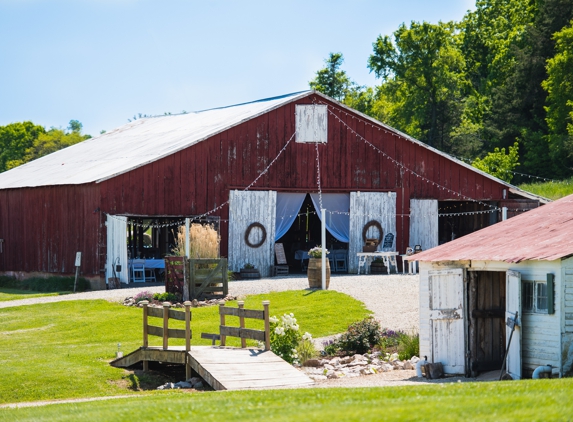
column 315, row 273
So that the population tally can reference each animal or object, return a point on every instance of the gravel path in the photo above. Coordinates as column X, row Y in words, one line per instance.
column 394, row 298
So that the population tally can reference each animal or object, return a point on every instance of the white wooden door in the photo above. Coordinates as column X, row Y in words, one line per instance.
column 117, row 247
column 446, row 290
column 365, row 207
column 424, row 223
column 513, row 307
column 245, row 208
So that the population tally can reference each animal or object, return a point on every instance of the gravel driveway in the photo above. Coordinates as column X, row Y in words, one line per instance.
column 394, row 298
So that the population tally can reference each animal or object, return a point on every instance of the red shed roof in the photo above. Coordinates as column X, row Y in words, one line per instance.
column 544, row 233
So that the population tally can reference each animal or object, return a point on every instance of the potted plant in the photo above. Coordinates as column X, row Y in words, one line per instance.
column 377, row 266
column 314, row 271
column 249, row 271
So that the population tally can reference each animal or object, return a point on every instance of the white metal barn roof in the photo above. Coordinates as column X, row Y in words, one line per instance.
column 146, row 140
column 133, row 145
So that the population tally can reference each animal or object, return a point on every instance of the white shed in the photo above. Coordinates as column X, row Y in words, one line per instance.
column 472, row 288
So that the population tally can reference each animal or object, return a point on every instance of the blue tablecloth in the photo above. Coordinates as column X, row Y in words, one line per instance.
column 152, row 263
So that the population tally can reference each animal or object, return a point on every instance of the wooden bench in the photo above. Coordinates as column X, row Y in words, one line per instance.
column 165, row 332
column 242, row 332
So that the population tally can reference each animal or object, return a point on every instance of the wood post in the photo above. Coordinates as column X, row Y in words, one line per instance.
column 241, row 304
column 145, row 342
column 266, row 304
column 166, row 306
column 187, row 325
column 223, row 338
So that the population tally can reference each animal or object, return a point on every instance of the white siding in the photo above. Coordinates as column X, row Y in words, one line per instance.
column 567, row 317
column 364, row 207
column 245, row 208
column 425, row 331
column 424, row 223
column 117, row 247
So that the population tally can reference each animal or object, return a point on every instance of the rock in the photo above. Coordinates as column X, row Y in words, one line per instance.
column 346, row 359
column 333, row 375
column 317, row 377
column 194, row 303
column 329, row 367
column 386, row 367
column 398, row 364
column 408, row 365
column 312, row 362
column 414, row 360
column 198, row 385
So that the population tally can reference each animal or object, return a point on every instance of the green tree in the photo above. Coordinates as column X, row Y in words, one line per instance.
column 15, row 139
column 423, row 80
column 331, row 80
column 47, row 142
column 559, row 87
column 498, row 163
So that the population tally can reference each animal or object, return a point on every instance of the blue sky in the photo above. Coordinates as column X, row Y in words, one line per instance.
column 102, row 61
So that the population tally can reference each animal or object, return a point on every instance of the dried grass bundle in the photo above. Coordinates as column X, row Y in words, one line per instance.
column 203, row 241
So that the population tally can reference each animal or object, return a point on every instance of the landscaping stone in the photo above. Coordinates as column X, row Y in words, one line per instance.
column 354, row 366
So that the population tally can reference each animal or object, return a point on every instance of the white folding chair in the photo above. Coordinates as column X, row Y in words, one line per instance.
column 138, row 271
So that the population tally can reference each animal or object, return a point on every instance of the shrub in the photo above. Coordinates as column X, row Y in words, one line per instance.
column 145, row 295
column 361, row 336
column 50, row 284
column 285, row 337
column 409, row 345
column 389, row 339
column 165, row 297
column 331, row 347
column 305, row 348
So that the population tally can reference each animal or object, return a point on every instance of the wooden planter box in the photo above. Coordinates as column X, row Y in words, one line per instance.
column 250, row 273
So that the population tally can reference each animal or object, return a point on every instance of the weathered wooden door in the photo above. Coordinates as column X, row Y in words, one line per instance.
column 424, row 223
column 513, row 308
column 365, row 207
column 117, row 247
column 252, row 217
column 446, row 290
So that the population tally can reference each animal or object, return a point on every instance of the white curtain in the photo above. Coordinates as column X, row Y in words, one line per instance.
column 337, row 224
column 288, row 206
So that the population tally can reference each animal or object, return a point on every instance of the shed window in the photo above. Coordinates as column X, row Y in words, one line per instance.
column 534, row 296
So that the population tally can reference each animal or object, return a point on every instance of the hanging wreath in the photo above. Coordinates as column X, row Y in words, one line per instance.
column 248, row 232
column 372, row 223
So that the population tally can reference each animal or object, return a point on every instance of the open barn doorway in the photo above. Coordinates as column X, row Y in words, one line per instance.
column 458, row 218
column 305, row 233
column 486, row 327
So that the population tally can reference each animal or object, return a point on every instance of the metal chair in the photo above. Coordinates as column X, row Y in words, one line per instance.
column 138, row 271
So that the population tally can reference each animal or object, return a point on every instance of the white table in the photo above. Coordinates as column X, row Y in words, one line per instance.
column 411, row 264
column 366, row 258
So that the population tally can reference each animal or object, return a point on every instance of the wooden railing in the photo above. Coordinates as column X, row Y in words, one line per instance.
column 165, row 332
column 240, row 331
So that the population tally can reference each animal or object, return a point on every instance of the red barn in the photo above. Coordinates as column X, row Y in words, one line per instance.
column 273, row 162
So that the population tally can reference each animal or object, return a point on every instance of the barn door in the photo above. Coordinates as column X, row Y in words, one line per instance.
column 366, row 207
column 446, row 290
column 252, row 218
column 513, row 307
column 117, row 248
column 424, row 223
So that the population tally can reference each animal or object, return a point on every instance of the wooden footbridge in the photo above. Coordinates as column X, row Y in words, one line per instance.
column 222, row 367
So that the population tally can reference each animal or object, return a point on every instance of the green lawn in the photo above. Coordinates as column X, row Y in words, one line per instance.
column 61, row 350
column 541, row 400
column 16, row 294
